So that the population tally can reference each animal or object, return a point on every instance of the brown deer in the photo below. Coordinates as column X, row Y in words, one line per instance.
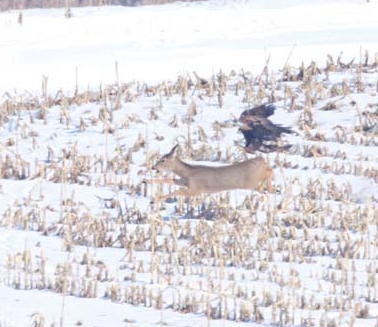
column 197, row 179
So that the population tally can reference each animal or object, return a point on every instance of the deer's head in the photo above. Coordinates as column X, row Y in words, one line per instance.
column 167, row 161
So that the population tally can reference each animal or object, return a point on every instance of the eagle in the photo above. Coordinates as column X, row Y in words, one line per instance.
column 259, row 132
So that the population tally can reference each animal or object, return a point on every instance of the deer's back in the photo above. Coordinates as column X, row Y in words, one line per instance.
column 244, row 175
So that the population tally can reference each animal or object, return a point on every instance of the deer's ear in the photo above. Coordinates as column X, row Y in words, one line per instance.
column 173, row 150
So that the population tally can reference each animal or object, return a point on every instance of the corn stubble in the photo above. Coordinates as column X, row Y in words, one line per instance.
column 244, row 260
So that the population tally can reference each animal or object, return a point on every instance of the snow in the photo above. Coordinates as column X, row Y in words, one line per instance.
column 331, row 198
column 159, row 42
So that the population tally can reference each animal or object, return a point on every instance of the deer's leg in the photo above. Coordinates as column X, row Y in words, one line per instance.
column 269, row 185
column 259, row 187
column 268, row 180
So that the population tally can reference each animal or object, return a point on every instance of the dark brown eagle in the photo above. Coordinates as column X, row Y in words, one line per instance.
column 259, row 132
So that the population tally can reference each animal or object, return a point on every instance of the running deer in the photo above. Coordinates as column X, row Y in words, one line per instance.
column 197, row 179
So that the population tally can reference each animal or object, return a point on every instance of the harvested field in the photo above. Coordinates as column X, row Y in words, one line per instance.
column 77, row 219
column 84, row 240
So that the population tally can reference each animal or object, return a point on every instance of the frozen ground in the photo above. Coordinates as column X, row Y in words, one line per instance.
column 159, row 42
column 80, row 242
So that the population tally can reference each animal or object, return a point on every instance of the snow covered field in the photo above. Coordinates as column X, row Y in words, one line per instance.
column 81, row 244
column 159, row 42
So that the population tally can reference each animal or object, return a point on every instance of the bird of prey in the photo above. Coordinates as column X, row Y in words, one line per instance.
column 259, row 132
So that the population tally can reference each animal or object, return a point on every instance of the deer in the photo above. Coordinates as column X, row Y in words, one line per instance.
column 197, row 179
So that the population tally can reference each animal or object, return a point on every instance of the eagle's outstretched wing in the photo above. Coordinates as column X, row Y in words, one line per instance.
column 257, row 129
column 264, row 110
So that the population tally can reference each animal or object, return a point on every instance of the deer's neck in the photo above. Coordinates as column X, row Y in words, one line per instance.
column 182, row 169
